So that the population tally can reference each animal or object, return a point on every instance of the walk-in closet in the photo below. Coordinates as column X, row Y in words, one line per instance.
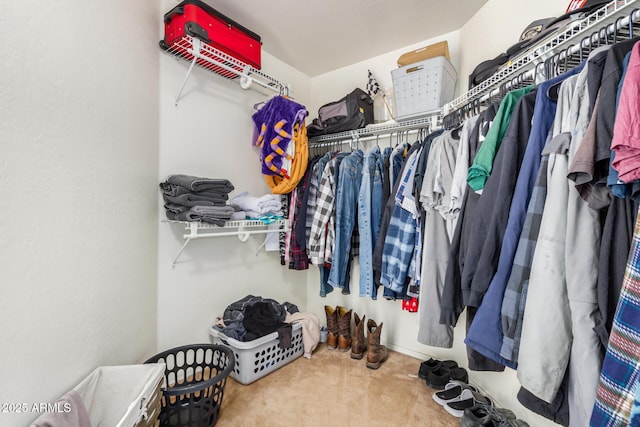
column 187, row 242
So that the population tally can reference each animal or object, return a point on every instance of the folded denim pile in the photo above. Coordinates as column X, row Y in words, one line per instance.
column 257, row 207
column 191, row 198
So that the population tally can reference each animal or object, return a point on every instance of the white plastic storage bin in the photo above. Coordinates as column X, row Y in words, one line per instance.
column 423, row 87
column 257, row 358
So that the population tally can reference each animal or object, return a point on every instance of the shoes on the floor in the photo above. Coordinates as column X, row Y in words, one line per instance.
column 438, row 378
column 358, row 342
column 433, row 364
column 343, row 319
column 487, row 415
column 452, row 392
column 468, row 399
column 332, row 327
column 376, row 353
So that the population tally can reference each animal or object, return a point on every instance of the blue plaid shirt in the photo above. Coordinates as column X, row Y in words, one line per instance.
column 399, row 243
column 621, row 368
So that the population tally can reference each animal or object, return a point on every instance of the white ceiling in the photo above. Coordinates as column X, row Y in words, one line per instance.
column 323, row 35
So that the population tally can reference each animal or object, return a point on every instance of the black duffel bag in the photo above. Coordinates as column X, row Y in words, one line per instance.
column 354, row 111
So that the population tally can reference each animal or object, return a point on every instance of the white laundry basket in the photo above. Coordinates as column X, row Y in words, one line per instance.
column 257, row 358
column 123, row 396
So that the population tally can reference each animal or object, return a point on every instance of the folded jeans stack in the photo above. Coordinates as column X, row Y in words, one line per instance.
column 191, row 198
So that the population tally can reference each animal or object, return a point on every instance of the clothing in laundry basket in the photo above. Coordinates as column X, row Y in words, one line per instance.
column 262, row 319
column 235, row 313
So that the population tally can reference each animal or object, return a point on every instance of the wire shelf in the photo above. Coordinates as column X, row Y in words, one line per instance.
column 193, row 50
column 240, row 226
column 242, row 229
column 431, row 122
column 604, row 17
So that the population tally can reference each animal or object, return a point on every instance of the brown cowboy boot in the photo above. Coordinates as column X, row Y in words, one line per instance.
column 332, row 327
column 376, row 353
column 359, row 343
column 344, row 329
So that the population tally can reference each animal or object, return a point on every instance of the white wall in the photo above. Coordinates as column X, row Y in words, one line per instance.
column 78, row 208
column 209, row 134
column 491, row 31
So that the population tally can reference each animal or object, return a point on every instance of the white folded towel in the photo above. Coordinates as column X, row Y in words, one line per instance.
column 267, row 204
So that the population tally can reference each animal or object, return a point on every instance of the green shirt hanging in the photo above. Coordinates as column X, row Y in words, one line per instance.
column 483, row 162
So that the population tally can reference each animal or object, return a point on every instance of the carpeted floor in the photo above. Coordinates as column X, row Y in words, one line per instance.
column 333, row 389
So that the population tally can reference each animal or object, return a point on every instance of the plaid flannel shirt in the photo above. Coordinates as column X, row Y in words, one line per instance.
column 399, row 242
column 621, row 368
column 298, row 259
column 323, row 227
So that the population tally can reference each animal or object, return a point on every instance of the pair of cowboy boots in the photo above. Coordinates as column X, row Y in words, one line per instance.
column 339, row 336
column 338, row 328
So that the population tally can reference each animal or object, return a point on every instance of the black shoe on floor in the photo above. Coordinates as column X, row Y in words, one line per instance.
column 468, row 399
column 428, row 366
column 459, row 374
column 433, row 364
column 487, row 415
column 438, row 378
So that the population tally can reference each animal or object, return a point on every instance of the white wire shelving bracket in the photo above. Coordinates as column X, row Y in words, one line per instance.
column 195, row 52
column 527, row 62
column 371, row 132
column 241, row 229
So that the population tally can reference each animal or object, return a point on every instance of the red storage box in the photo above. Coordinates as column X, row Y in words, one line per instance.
column 197, row 19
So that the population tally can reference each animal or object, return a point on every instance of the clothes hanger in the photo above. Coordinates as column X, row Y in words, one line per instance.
column 281, row 92
column 355, row 141
column 553, row 90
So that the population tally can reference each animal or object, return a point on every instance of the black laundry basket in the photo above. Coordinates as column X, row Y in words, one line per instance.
column 195, row 378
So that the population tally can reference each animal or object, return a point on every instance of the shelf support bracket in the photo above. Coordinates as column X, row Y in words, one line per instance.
column 175, row 260
column 243, row 235
column 196, row 55
column 193, row 234
column 245, row 80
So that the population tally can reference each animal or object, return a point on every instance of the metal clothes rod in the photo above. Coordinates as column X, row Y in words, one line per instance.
column 545, row 49
column 379, row 131
column 342, row 141
column 551, row 66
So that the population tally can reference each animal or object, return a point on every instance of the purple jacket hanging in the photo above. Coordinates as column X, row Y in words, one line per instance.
column 273, row 132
